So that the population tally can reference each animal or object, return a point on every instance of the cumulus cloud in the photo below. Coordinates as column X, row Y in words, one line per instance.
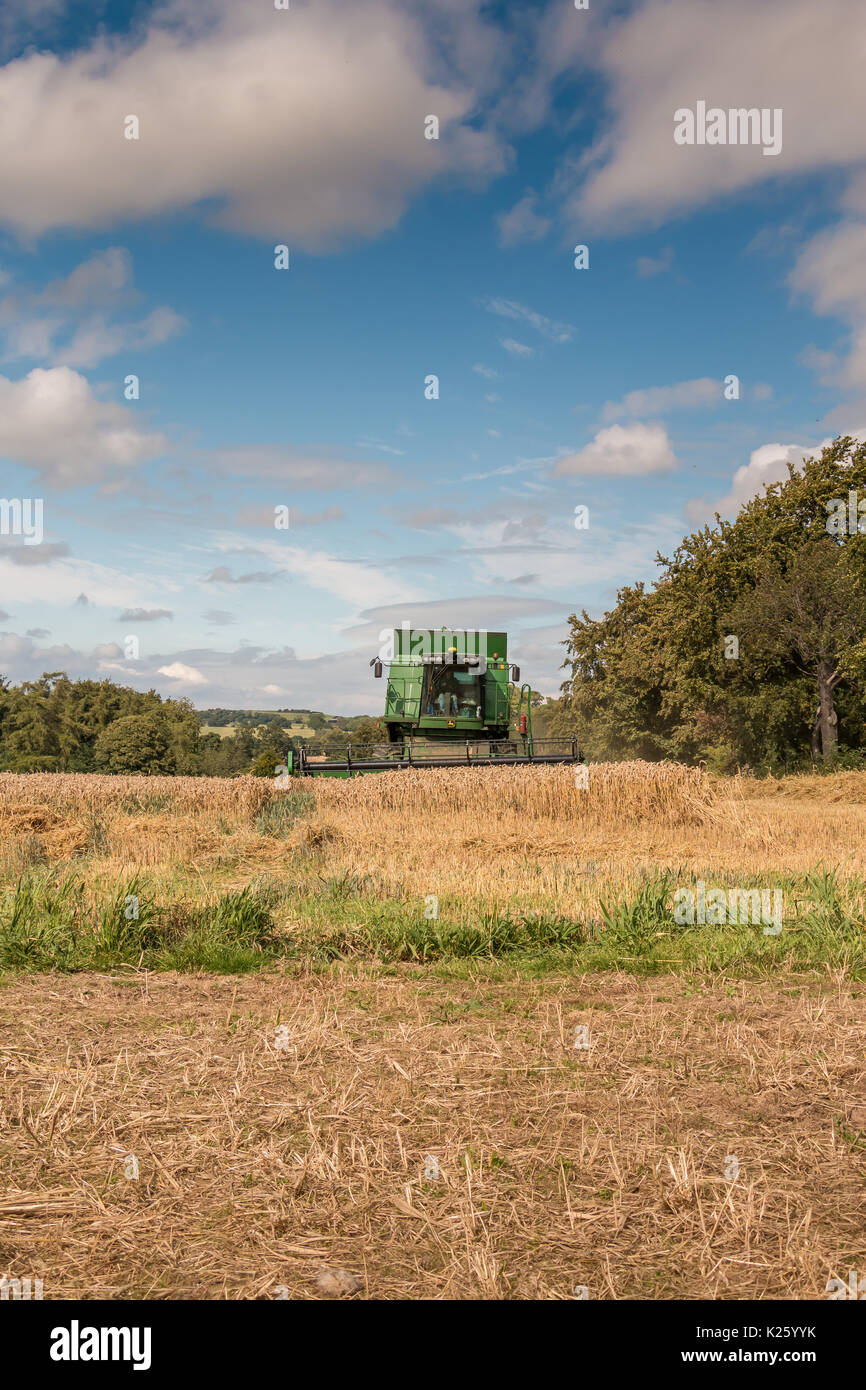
column 24, row 20
column 653, row 400
column 51, row 420
column 831, row 269
column 666, row 56
column 767, row 464
column 179, row 671
column 309, row 121
column 622, row 451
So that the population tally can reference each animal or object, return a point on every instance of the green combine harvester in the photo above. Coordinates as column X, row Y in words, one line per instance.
column 453, row 699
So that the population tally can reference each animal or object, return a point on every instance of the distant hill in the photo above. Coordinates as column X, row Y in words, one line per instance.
column 298, row 723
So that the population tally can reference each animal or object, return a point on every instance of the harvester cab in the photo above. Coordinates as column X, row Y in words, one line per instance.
column 452, row 699
column 447, row 686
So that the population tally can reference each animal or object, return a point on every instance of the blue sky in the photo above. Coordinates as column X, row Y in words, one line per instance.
column 305, row 388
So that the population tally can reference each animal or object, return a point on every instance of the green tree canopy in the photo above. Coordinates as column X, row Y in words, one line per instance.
column 659, row 676
column 136, row 743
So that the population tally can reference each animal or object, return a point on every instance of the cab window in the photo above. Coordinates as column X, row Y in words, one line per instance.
column 452, row 693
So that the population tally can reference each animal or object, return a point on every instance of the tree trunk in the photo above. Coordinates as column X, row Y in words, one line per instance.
column 826, row 730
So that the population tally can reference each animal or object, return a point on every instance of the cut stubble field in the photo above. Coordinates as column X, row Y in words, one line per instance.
column 439, row 1029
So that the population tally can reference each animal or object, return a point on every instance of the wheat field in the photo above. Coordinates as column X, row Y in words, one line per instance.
column 285, row 1041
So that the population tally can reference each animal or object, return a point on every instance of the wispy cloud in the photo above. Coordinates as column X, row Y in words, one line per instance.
column 76, row 321
column 144, row 615
column 515, row 348
column 522, row 223
column 548, row 328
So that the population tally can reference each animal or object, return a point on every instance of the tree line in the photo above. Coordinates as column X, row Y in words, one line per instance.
column 55, row 724
column 749, row 649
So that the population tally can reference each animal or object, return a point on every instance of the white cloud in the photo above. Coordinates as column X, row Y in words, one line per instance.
column 97, row 585
column 767, row 464
column 515, row 348
column 548, row 328
column 52, row 421
column 179, row 671
column 649, row 265
column 654, row 400
column 622, row 451
column 831, row 268
column 265, row 516
column 340, row 682
column 310, row 468
column 485, row 610
column 97, row 339
column 566, row 560
column 305, row 126
column 522, row 223
column 81, row 306
column 352, row 580
column 102, row 281
column 788, row 54
column 489, row 372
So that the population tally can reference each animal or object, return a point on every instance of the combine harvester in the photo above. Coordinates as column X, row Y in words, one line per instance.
column 449, row 703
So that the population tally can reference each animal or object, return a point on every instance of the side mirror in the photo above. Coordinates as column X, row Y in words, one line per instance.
column 515, row 674
column 377, row 669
